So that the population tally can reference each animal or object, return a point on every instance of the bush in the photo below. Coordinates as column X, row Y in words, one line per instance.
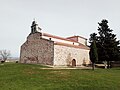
column 16, row 62
column 2, row 61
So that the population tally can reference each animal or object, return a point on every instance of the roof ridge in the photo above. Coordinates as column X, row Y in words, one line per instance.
column 58, row 37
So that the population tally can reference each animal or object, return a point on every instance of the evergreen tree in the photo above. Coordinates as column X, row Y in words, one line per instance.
column 93, row 50
column 108, row 49
column 93, row 37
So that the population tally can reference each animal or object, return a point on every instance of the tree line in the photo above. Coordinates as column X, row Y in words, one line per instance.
column 104, row 46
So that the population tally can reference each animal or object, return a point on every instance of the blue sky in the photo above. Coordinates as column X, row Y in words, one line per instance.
column 58, row 17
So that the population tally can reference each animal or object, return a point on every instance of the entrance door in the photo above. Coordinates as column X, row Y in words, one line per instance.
column 73, row 62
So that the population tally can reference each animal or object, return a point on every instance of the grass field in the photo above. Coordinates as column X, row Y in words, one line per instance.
column 32, row 77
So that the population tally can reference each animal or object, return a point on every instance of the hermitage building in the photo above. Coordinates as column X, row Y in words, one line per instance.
column 47, row 49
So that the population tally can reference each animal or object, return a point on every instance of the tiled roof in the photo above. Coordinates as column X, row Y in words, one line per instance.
column 76, row 36
column 57, row 37
column 81, row 46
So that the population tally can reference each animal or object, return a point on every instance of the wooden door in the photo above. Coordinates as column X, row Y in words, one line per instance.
column 73, row 62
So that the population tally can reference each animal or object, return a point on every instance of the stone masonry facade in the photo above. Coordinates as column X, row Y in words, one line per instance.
column 64, row 55
column 37, row 50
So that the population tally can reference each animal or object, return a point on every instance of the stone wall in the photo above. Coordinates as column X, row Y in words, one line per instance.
column 64, row 55
column 37, row 50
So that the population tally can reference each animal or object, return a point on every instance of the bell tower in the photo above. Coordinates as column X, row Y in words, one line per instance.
column 35, row 28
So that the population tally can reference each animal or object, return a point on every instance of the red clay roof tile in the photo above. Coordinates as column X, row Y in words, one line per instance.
column 57, row 37
column 81, row 46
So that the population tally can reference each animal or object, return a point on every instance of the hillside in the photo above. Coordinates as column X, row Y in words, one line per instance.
column 33, row 77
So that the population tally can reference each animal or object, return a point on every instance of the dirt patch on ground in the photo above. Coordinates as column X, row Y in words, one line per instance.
column 55, row 68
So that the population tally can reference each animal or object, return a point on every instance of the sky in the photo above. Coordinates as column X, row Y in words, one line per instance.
column 58, row 17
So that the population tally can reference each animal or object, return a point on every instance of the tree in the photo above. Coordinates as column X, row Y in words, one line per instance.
column 108, row 49
column 4, row 54
column 93, row 37
column 93, row 50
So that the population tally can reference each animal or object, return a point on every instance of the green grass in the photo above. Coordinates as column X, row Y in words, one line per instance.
column 32, row 77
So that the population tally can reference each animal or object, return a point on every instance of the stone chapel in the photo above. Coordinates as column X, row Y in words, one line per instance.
column 47, row 49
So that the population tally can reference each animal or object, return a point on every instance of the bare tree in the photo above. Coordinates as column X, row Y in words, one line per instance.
column 4, row 54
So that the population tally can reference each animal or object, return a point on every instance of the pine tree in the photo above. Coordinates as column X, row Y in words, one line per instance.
column 93, row 50
column 108, row 49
